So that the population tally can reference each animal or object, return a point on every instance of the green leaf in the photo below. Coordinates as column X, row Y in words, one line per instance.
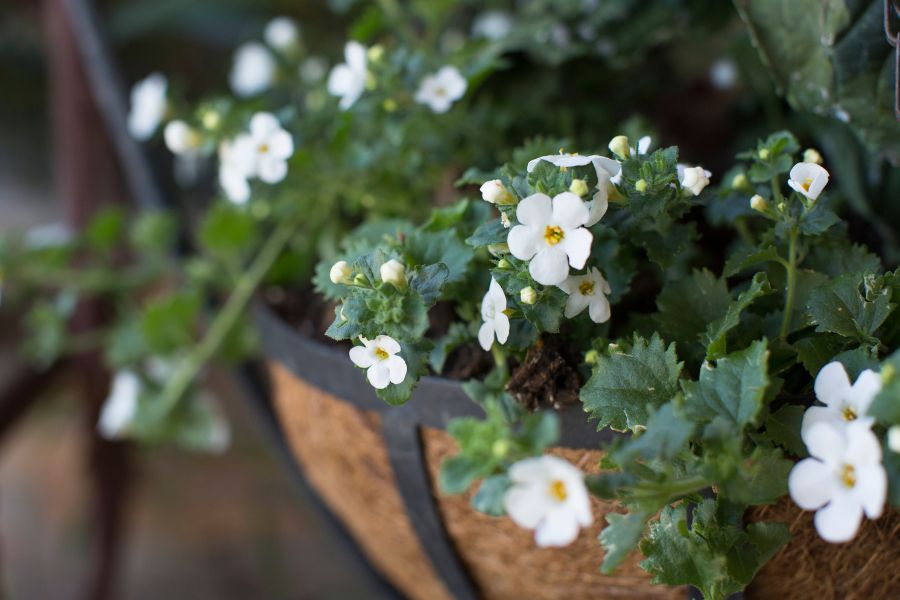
column 817, row 350
column 154, row 232
column 228, row 230
column 620, row 537
column 717, row 331
column 840, row 308
column 492, row 232
column 818, row 220
column 886, row 405
column 105, row 229
column 428, row 281
column 428, row 248
column 761, row 478
column 489, row 497
column 783, row 428
column 458, row 473
column 749, row 257
column 625, row 386
column 168, row 323
column 668, row 431
column 688, row 305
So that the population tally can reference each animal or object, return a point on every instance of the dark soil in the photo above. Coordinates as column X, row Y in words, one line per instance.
column 548, row 377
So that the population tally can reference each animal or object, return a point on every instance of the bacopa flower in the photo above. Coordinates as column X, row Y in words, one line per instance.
column 440, row 90
column 587, row 291
column 844, row 403
column 607, row 170
column 181, row 138
column 282, row 34
column 253, row 70
column 268, row 146
column 233, row 173
column 393, row 272
column 120, row 406
column 495, row 192
column 548, row 495
column 693, row 179
column 493, row 312
column 492, row 25
column 808, row 179
column 348, row 79
column 340, row 272
column 148, row 106
column 379, row 357
column 843, row 479
column 552, row 235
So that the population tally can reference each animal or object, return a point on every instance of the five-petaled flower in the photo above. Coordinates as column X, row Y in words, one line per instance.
column 380, row 358
column 808, row 179
column 148, row 106
column 348, row 79
column 843, row 479
column 253, row 70
column 548, row 495
column 493, row 312
column 844, row 403
column 262, row 153
column 440, row 90
column 607, row 170
column 587, row 291
column 552, row 235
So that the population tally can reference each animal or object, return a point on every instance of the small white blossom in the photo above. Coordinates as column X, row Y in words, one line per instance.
column 148, row 106
column 121, row 405
column 587, row 291
column 551, row 235
column 843, row 479
column 548, row 495
column 380, row 358
column 253, row 70
column 608, row 172
column 495, row 192
column 282, row 34
column 181, row 138
column 340, row 272
column 492, row 25
column 808, row 179
column 393, row 272
column 496, row 321
column 440, row 90
column 693, row 179
column 262, row 153
column 234, row 171
column 844, row 403
column 348, row 79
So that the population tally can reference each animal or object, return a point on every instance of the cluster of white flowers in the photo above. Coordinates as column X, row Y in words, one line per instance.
column 262, row 153
column 843, row 478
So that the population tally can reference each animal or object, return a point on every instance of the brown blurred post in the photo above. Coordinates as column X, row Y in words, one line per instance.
column 87, row 179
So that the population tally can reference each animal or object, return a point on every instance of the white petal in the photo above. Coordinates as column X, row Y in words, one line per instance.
column 810, row 484
column 832, row 384
column 549, row 266
column 826, row 443
column 535, row 210
column 497, row 295
column 839, row 521
column 606, row 166
column 820, row 414
column 379, row 375
column 355, row 55
column 644, row 144
column 599, row 308
column 486, row 335
column 262, row 125
column 568, row 160
column 272, row 170
column 341, row 80
column 526, row 505
column 575, row 304
column 871, row 489
column 569, row 211
column 598, row 206
column 397, row 368
column 523, row 241
column 577, row 245
column 559, row 528
column 281, row 144
column 535, row 469
column 570, row 285
column 362, row 357
column 387, row 343
column 864, row 390
column 863, row 447
column 579, row 502
column 501, row 325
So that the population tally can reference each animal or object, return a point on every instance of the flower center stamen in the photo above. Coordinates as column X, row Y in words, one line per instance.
column 553, row 235
column 558, row 490
column 586, row 288
column 806, row 183
column 849, row 414
column 848, row 476
column 381, row 353
column 263, row 148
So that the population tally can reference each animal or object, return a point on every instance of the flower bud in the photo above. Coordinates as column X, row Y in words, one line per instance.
column 811, row 155
column 888, row 372
column 389, row 105
column 495, row 192
column 579, row 187
column 375, row 53
column 619, row 146
column 758, row 203
column 592, row 357
column 503, row 264
column 498, row 250
column 500, row 448
column 211, row 119
column 360, row 279
column 740, row 183
column 394, row 272
column 528, row 295
column 764, row 154
column 340, row 272
column 695, row 179
column 893, row 439
column 782, row 206
column 640, row 185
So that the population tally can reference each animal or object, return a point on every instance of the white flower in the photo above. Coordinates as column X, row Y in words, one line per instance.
column 271, row 145
column 282, row 34
column 340, row 272
column 808, row 179
column 608, row 172
column 843, row 479
column 551, row 235
column 379, row 356
column 234, row 170
column 496, row 321
column 181, row 138
column 121, row 406
column 693, row 179
column 393, row 272
column 253, row 70
column 587, row 291
column 495, row 192
column 844, row 403
column 548, row 495
column 492, row 25
column 348, row 79
column 148, row 106
column 440, row 90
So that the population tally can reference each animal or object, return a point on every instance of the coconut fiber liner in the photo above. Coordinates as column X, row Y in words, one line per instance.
column 343, row 455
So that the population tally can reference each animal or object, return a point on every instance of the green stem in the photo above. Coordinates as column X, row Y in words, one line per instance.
column 791, row 282
column 225, row 321
column 499, row 359
column 676, row 489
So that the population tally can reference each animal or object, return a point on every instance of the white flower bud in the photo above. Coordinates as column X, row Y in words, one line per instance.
column 495, row 192
column 181, row 138
column 394, row 272
column 740, row 182
column 811, row 155
column 528, row 295
column 504, row 219
column 619, row 146
column 340, row 272
column 695, row 179
column 579, row 187
column 894, row 438
column 758, row 203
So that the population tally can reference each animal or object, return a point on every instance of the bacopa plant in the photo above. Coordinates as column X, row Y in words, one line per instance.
column 775, row 348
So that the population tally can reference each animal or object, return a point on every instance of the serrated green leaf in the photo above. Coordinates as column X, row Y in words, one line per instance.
column 620, row 538
column 817, row 350
column 717, row 331
column 492, row 232
column 429, row 248
column 840, row 308
column 783, row 428
column 489, row 497
column 748, row 257
column 668, row 431
column 688, row 305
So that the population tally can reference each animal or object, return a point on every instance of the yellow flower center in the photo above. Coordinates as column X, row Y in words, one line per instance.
column 848, row 476
column 507, row 311
column 806, row 183
column 263, row 148
column 553, row 235
column 586, row 288
column 849, row 414
column 440, row 91
column 381, row 353
column 558, row 490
